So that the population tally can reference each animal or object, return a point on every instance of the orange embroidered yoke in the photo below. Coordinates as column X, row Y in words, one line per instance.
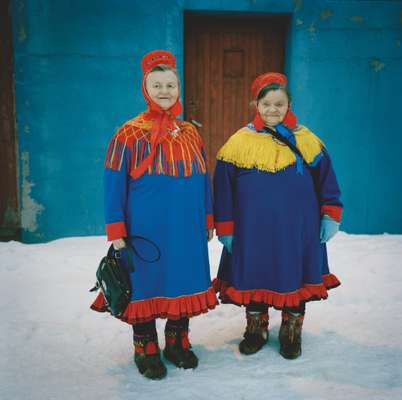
column 179, row 151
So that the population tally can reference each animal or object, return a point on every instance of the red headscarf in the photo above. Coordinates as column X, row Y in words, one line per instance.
column 260, row 83
column 163, row 120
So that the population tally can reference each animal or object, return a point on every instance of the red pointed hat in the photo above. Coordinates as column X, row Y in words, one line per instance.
column 260, row 83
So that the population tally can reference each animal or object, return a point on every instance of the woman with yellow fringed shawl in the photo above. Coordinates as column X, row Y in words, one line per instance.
column 277, row 202
column 157, row 186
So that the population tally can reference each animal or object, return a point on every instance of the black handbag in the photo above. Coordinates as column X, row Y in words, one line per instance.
column 113, row 278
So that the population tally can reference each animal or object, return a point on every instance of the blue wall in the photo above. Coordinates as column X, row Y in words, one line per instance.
column 77, row 76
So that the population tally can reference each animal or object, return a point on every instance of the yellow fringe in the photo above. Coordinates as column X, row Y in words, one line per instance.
column 249, row 149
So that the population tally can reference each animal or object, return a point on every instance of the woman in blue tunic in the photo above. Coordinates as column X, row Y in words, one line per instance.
column 277, row 202
column 157, row 186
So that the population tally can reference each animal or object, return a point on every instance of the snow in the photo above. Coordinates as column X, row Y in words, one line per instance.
column 54, row 347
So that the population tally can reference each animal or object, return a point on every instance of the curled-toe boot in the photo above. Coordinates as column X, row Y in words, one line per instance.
column 256, row 334
column 290, row 335
column 147, row 357
column 178, row 348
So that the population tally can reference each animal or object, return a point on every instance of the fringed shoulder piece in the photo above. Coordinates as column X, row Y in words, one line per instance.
column 141, row 121
column 191, row 132
column 129, row 132
column 179, row 154
column 250, row 149
column 308, row 143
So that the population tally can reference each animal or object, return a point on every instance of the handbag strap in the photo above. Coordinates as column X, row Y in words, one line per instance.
column 134, row 250
column 286, row 141
column 117, row 255
column 131, row 251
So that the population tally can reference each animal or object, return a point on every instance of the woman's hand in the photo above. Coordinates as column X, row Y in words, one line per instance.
column 227, row 241
column 329, row 228
column 119, row 244
column 210, row 234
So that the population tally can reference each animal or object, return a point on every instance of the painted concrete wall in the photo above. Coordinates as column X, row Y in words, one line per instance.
column 77, row 76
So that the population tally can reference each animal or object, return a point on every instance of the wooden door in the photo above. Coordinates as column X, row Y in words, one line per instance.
column 9, row 210
column 223, row 55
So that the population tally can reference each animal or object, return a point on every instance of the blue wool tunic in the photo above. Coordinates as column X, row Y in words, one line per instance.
column 171, row 211
column 170, row 204
column 276, row 219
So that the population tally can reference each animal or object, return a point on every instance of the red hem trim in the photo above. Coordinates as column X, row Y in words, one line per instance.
column 228, row 294
column 335, row 212
column 163, row 307
column 116, row 230
column 224, row 228
column 210, row 221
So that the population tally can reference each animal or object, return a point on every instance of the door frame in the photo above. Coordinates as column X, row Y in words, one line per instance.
column 10, row 215
column 279, row 22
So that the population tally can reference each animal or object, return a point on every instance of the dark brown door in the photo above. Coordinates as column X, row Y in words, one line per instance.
column 223, row 55
column 9, row 212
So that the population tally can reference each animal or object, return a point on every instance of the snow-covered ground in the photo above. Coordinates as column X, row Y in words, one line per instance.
column 54, row 347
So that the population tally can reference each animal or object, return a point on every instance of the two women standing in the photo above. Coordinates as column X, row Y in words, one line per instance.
column 275, row 206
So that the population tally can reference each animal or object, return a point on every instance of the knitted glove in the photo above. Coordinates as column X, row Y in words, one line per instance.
column 227, row 241
column 328, row 229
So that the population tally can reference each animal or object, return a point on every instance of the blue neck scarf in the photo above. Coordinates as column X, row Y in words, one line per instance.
column 289, row 135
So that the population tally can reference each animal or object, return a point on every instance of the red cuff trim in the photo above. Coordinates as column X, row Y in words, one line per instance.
column 224, row 228
column 228, row 294
column 163, row 307
column 335, row 212
column 116, row 230
column 210, row 221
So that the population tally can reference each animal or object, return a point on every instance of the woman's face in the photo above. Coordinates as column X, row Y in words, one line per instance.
column 273, row 107
column 163, row 88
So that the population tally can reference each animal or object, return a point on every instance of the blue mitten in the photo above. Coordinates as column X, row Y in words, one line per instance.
column 329, row 228
column 227, row 241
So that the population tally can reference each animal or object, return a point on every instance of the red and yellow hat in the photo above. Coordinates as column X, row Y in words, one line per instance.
column 260, row 83
column 157, row 57
column 267, row 79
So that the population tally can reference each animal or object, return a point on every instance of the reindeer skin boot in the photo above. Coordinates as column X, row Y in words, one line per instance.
column 256, row 334
column 178, row 348
column 290, row 335
column 147, row 357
